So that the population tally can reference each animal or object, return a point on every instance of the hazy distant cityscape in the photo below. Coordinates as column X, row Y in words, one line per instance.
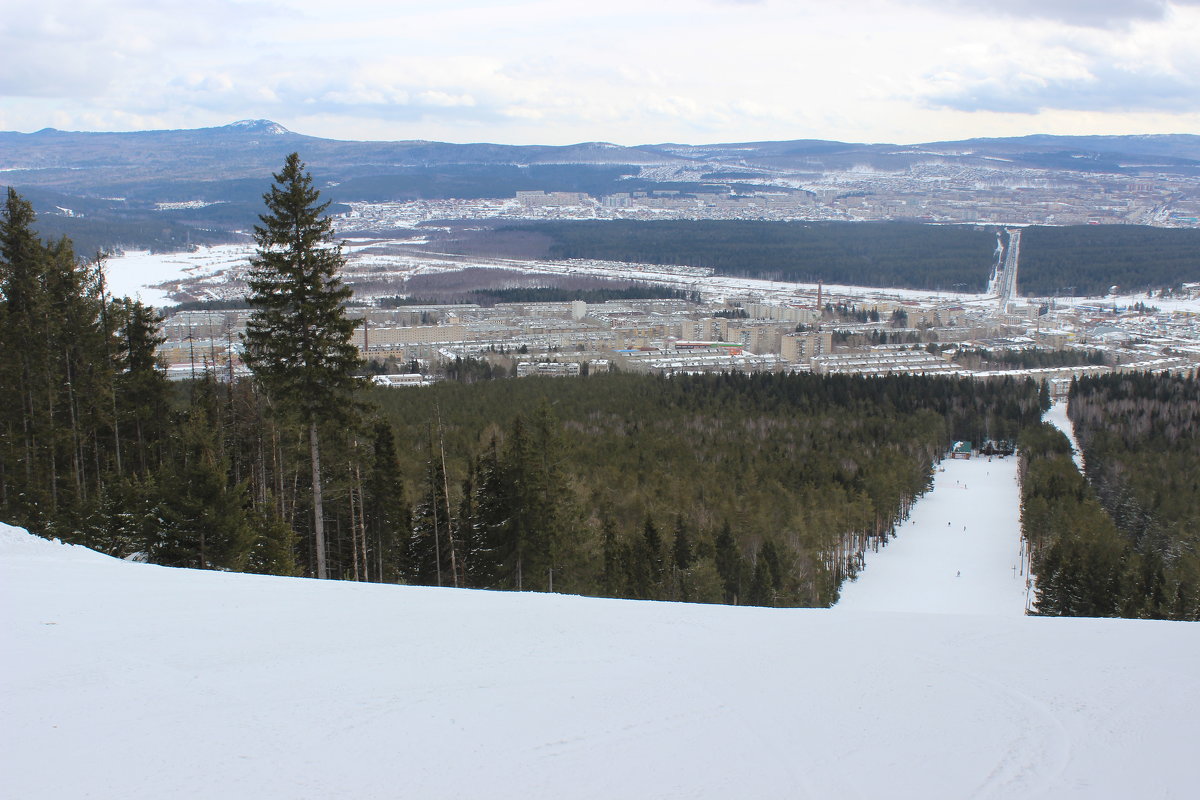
column 733, row 324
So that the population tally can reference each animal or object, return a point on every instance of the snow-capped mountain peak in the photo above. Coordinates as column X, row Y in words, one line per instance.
column 258, row 126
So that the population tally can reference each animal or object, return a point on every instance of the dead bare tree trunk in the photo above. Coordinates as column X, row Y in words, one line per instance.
column 362, row 519
column 446, row 492
column 353, row 529
column 314, row 448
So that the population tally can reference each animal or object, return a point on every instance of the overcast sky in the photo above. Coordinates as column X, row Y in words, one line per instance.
column 624, row 71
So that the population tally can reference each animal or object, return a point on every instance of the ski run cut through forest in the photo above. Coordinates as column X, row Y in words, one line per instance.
column 927, row 681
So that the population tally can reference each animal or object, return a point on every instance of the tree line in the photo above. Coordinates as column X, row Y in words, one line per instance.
column 860, row 254
column 1012, row 358
column 1081, row 260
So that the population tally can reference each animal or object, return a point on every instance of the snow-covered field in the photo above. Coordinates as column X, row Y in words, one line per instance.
column 124, row 680
column 136, row 273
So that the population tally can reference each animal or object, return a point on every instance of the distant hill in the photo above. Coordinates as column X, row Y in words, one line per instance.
column 169, row 188
column 152, row 165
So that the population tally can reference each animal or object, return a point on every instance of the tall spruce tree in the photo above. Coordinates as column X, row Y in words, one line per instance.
column 297, row 341
column 141, row 388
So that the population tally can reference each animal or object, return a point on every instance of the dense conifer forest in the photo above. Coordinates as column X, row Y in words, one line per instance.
column 1088, row 260
column 1124, row 541
column 1080, row 260
column 716, row 472
column 861, row 254
column 1140, row 435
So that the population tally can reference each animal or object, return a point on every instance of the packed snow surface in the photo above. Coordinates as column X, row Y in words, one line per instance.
column 1057, row 416
column 959, row 552
column 136, row 681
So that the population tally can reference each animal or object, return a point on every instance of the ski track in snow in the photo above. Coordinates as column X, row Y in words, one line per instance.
column 1057, row 416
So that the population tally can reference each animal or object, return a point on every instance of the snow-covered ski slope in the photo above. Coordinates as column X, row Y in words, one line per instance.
column 958, row 553
column 124, row 680
column 1057, row 416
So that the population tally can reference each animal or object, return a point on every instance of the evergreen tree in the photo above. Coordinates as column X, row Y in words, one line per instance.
column 769, row 555
column 206, row 523
column 492, row 516
column 469, row 534
column 653, row 552
column 431, row 556
column 766, row 577
column 386, row 510
column 610, row 578
column 298, row 338
column 273, row 551
column 125, row 518
column 682, row 549
column 729, row 563
column 141, row 390
column 522, row 507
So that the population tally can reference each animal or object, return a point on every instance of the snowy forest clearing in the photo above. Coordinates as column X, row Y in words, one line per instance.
column 137, row 681
column 958, row 553
column 1057, row 416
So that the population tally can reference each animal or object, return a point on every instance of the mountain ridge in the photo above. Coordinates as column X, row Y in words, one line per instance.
column 227, row 167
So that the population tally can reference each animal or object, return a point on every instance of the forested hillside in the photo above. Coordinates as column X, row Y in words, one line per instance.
column 1083, row 260
column 1090, row 259
column 106, row 225
column 1140, row 435
column 758, row 488
column 860, row 254
column 1124, row 541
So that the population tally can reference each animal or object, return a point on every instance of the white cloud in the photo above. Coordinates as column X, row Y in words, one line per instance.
column 1086, row 13
column 1150, row 67
column 551, row 71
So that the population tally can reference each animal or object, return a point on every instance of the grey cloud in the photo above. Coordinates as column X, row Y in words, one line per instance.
column 85, row 50
column 1084, row 13
column 304, row 92
column 1107, row 89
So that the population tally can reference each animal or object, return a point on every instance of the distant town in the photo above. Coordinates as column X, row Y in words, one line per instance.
column 716, row 323
column 928, row 192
